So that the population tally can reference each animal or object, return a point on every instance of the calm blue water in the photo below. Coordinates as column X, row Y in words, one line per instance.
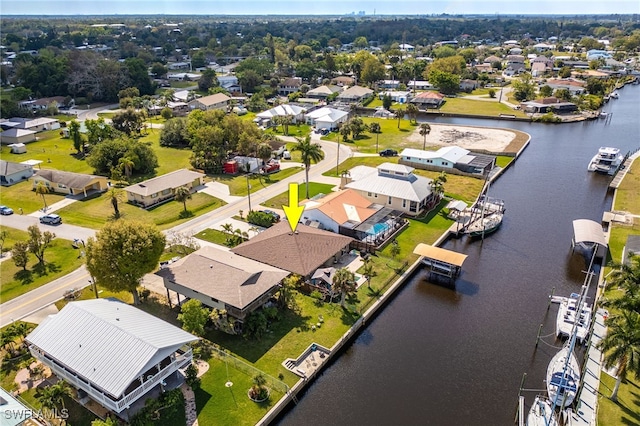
column 442, row 356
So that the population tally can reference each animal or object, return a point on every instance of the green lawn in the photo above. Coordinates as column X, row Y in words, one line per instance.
column 350, row 163
column 169, row 159
column 54, row 151
column 95, row 211
column 22, row 195
column 476, row 107
column 238, row 184
column 60, row 260
column 300, row 130
column 218, row 404
column 215, row 236
column 315, row 188
column 627, row 198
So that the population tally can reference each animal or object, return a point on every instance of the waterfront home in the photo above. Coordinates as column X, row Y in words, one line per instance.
column 550, row 104
column 346, row 212
column 326, row 118
column 33, row 124
column 393, row 185
column 355, row 94
column 399, row 96
column 12, row 173
column 300, row 252
column 211, row 102
column 428, row 100
column 223, row 280
column 69, row 183
column 448, row 159
column 15, row 412
column 575, row 86
column 162, row 188
column 112, row 352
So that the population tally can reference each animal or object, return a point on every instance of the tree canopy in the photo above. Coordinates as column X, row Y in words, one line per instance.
column 122, row 252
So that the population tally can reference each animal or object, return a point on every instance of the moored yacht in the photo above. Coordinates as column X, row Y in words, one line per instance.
column 541, row 413
column 563, row 376
column 570, row 315
column 606, row 160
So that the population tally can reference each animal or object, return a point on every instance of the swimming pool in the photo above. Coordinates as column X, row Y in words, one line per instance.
column 379, row 228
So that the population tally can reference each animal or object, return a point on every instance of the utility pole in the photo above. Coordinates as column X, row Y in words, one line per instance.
column 338, row 155
column 249, row 192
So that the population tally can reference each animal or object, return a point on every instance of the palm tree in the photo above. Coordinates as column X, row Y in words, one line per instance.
column 227, row 228
column 286, row 121
column 400, row 114
column 126, row 165
column 181, row 194
column 42, row 189
column 368, row 271
column 437, row 184
column 621, row 346
column 309, row 153
column 344, row 281
column 412, row 111
column 53, row 395
column 626, row 277
column 264, row 151
column 425, row 129
column 115, row 196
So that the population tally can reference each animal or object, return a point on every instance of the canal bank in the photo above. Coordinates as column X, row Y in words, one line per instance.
column 456, row 356
column 291, row 397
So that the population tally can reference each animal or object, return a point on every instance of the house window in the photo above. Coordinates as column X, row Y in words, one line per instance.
column 62, row 186
column 413, row 207
column 445, row 163
column 389, row 200
column 375, row 195
column 369, row 194
column 166, row 191
column 404, row 204
column 154, row 195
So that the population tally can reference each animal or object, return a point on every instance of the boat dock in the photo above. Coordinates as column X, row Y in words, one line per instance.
column 440, row 261
column 622, row 171
column 585, row 413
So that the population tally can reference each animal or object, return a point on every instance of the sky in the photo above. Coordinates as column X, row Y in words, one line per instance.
column 315, row 7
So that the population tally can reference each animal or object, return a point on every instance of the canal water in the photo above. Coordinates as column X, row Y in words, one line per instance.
column 456, row 356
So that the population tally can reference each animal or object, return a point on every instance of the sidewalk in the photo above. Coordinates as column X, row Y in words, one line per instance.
column 54, row 207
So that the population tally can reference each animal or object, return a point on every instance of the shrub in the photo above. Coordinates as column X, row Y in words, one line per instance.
column 260, row 219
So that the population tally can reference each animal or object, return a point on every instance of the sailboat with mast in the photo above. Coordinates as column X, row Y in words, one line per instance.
column 486, row 214
column 541, row 413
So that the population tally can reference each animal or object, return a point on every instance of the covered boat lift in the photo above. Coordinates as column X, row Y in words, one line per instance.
column 588, row 235
column 440, row 261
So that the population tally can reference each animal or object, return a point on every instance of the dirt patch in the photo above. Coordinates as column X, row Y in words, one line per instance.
column 472, row 138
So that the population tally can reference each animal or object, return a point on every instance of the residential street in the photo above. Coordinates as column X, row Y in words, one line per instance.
column 47, row 294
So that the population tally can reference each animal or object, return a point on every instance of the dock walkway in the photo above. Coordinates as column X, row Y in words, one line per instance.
column 617, row 179
column 586, row 413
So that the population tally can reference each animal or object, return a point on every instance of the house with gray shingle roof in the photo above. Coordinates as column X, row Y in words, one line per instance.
column 162, row 188
column 115, row 353
column 69, row 182
column 300, row 252
column 223, row 280
column 12, row 173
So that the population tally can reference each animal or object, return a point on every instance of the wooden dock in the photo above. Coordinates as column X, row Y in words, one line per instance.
column 622, row 171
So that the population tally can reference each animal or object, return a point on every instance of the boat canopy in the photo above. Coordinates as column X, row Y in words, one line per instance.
column 587, row 231
column 440, row 254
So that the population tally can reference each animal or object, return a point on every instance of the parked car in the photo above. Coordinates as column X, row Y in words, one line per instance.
column 276, row 216
column 50, row 219
column 286, row 155
column 5, row 211
column 388, row 153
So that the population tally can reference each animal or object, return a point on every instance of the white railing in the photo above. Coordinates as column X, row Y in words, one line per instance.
column 124, row 402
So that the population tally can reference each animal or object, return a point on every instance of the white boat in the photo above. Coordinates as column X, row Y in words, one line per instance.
column 607, row 160
column 541, row 413
column 563, row 376
column 614, row 94
column 569, row 314
column 485, row 225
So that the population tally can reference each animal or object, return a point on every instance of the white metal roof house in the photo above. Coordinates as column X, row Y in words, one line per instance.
column 448, row 158
column 114, row 352
column 294, row 111
column 14, row 136
column 326, row 118
column 394, row 186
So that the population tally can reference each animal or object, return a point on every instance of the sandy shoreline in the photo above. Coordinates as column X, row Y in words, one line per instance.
column 467, row 137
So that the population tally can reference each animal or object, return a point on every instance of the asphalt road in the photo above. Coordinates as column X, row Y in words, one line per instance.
column 47, row 294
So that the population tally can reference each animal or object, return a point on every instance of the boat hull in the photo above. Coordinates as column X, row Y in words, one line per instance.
column 569, row 314
column 485, row 225
column 541, row 413
column 563, row 376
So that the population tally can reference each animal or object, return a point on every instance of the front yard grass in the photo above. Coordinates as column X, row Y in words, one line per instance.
column 95, row 211
column 60, row 260
column 299, row 130
column 238, row 183
column 315, row 188
column 22, row 195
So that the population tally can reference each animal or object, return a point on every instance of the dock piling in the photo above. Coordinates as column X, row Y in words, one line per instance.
column 538, row 336
column 553, row 290
column 517, row 416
